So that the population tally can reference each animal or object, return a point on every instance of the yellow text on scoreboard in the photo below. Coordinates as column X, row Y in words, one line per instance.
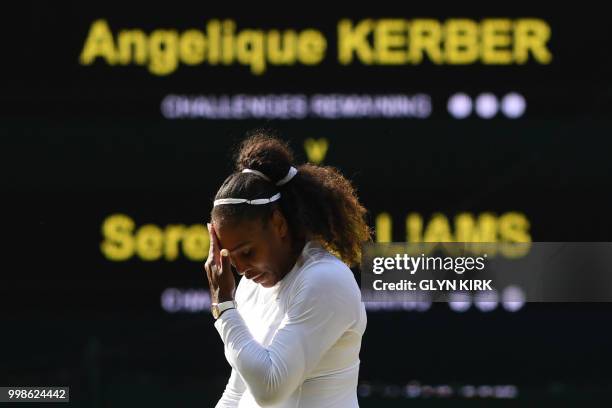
column 390, row 41
column 123, row 239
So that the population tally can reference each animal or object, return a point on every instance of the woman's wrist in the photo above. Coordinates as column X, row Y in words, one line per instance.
column 225, row 298
column 222, row 297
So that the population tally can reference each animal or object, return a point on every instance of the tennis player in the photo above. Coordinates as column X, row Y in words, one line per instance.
column 292, row 329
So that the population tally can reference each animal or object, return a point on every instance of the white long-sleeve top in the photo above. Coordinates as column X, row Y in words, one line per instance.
column 297, row 343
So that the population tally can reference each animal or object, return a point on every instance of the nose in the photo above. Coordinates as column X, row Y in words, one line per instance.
column 241, row 268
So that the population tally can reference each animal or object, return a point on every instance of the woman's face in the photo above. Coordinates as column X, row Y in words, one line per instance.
column 259, row 250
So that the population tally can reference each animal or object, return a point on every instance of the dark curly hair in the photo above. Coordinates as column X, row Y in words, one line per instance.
column 318, row 203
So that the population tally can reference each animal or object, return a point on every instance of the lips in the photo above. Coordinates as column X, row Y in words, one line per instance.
column 257, row 278
column 252, row 274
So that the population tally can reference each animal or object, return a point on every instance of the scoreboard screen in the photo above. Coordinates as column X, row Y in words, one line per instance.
column 118, row 125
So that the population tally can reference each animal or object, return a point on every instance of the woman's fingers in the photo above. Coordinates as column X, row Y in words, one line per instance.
column 213, row 252
column 209, row 265
column 219, row 270
column 211, row 241
column 226, row 266
column 227, row 284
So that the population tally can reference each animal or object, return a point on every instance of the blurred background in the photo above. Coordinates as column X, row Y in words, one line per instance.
column 467, row 124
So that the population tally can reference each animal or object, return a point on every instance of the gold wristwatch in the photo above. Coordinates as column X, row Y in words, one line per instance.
column 218, row 308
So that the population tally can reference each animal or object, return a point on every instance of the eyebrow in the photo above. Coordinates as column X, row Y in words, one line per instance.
column 240, row 245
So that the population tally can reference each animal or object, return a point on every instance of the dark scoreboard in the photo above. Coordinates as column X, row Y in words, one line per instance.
column 117, row 128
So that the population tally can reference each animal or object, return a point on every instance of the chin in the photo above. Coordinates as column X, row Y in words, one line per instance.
column 267, row 284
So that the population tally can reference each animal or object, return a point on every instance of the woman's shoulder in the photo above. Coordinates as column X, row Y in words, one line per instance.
column 322, row 268
column 326, row 283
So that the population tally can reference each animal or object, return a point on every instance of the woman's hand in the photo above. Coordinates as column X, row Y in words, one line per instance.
column 219, row 270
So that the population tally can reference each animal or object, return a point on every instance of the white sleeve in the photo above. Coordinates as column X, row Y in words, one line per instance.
column 323, row 306
column 233, row 392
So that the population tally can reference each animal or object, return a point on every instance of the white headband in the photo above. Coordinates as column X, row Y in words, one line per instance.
column 257, row 201
column 259, row 173
column 290, row 174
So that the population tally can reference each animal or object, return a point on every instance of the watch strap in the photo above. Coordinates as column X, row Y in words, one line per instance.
column 223, row 306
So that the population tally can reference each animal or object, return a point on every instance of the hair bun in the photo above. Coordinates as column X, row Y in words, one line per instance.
column 265, row 153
